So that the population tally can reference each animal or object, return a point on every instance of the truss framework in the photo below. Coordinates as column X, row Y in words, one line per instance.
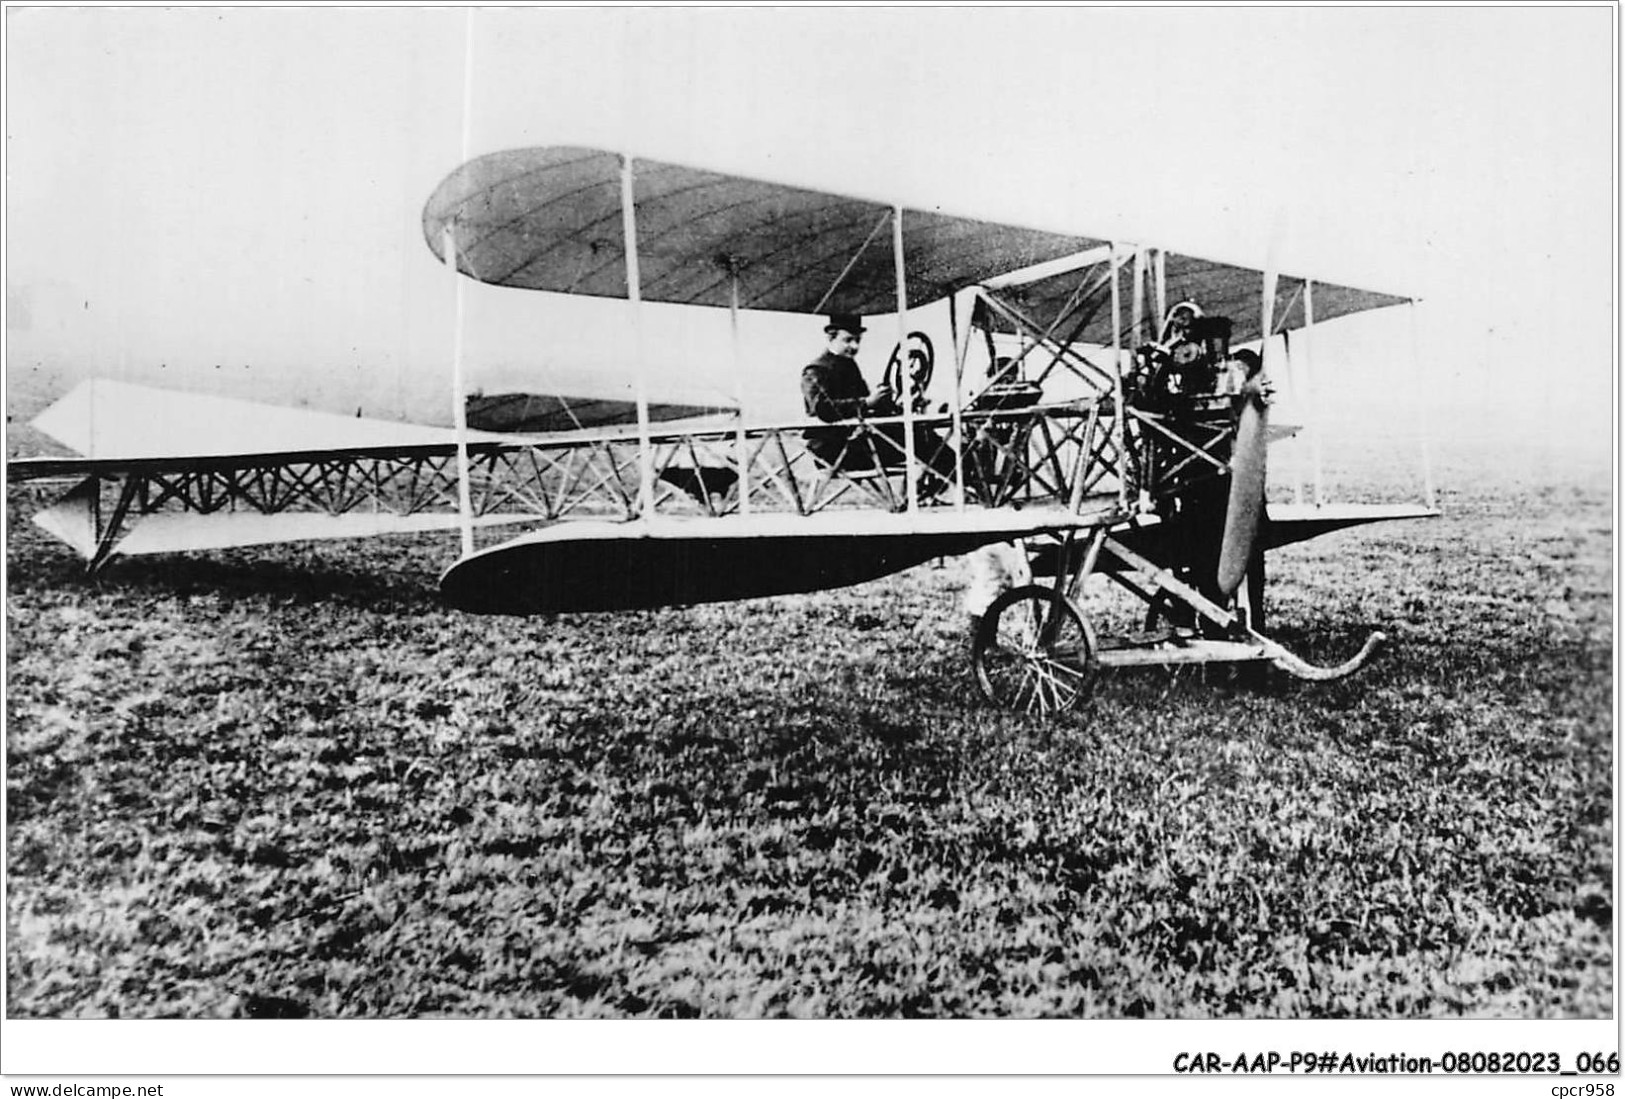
column 1059, row 454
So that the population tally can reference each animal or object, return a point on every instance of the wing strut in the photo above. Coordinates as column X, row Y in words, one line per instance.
column 634, row 295
column 959, row 396
column 1314, row 392
column 741, row 450
column 1294, row 384
column 851, row 263
column 1162, row 284
column 1421, row 413
column 910, row 462
column 1119, row 414
column 1137, row 321
column 459, row 406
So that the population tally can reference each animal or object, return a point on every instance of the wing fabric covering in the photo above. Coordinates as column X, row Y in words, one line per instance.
column 1286, row 524
column 1279, row 525
column 122, row 430
column 592, row 566
column 1222, row 289
column 111, row 421
column 540, row 413
column 611, row 572
column 550, row 219
column 597, row 566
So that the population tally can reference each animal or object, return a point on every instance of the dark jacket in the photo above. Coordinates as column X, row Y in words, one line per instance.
column 832, row 389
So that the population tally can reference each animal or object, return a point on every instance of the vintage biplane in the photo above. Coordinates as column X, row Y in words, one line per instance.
column 1069, row 425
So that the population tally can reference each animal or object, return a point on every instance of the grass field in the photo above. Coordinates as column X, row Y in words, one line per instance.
column 286, row 783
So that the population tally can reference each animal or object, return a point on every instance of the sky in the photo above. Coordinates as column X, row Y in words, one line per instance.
column 229, row 201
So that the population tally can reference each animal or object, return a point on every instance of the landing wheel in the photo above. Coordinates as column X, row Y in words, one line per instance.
column 1033, row 652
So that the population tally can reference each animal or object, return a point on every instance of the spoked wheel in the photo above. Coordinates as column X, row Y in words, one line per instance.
column 1033, row 652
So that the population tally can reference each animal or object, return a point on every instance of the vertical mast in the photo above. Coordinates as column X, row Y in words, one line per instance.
column 459, row 407
column 958, row 433
column 634, row 297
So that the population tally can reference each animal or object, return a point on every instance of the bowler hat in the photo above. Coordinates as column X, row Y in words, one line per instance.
column 845, row 322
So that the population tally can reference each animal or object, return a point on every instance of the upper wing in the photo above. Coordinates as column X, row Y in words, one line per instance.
column 550, row 219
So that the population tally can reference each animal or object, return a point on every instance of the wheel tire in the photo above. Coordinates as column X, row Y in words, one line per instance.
column 1033, row 652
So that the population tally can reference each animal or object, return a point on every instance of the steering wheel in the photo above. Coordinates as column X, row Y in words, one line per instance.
column 922, row 361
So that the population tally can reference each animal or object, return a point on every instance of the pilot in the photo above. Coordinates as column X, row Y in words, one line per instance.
column 1243, row 379
column 833, row 389
column 1176, row 327
column 1196, row 514
column 1178, row 364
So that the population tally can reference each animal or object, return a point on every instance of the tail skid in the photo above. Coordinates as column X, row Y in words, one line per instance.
column 1288, row 662
column 1177, row 650
column 1149, row 580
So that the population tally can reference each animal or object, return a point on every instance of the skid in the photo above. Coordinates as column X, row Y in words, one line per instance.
column 1036, row 651
column 1241, row 643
